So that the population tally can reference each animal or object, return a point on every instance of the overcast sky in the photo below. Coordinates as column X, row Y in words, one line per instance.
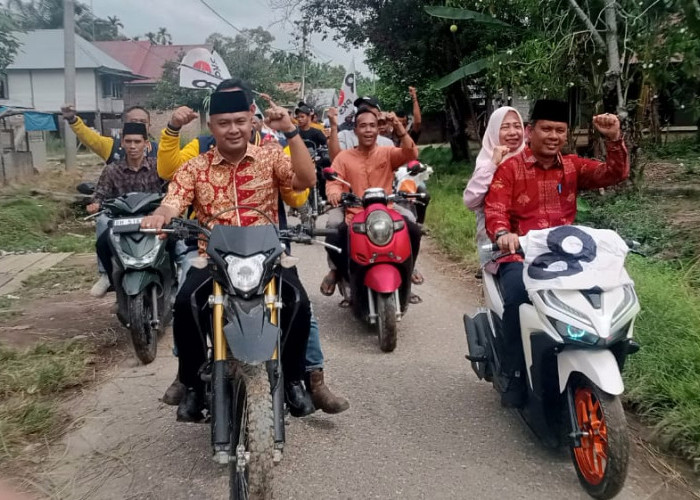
column 190, row 22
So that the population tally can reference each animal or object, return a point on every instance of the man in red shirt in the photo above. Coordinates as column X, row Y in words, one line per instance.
column 536, row 189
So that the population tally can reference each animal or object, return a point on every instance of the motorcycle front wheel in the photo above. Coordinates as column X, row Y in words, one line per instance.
column 144, row 337
column 252, row 436
column 601, row 460
column 386, row 321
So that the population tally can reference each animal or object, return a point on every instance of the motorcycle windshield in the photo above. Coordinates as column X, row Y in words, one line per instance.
column 244, row 241
column 134, row 203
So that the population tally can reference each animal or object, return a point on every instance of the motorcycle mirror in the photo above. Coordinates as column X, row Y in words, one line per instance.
column 414, row 167
column 329, row 174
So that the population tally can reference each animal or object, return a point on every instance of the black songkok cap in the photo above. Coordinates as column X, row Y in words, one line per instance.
column 551, row 110
column 233, row 101
column 135, row 129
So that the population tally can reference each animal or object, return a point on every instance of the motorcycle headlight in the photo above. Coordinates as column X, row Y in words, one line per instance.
column 245, row 273
column 573, row 333
column 128, row 255
column 380, row 228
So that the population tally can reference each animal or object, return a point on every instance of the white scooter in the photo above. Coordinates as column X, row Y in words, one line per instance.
column 576, row 334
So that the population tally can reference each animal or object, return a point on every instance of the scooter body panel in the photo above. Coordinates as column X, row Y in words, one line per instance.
column 599, row 366
column 383, row 278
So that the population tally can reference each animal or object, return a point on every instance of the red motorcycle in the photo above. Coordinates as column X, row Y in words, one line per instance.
column 381, row 260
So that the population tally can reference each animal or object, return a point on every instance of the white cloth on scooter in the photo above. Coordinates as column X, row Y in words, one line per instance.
column 574, row 258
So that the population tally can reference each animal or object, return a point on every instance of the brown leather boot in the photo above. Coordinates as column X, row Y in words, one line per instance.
column 322, row 396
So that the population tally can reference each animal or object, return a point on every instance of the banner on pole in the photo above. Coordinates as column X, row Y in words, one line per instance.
column 201, row 69
column 348, row 94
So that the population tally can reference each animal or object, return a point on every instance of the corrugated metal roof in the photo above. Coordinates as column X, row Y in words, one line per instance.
column 43, row 49
column 143, row 58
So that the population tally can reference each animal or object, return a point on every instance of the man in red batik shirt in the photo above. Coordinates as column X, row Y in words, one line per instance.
column 536, row 189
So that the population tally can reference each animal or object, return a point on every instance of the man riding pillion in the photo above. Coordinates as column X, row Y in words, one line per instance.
column 170, row 158
column 237, row 173
column 110, row 149
column 368, row 166
column 136, row 172
column 536, row 189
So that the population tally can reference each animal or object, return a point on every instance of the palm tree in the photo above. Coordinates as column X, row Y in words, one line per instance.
column 163, row 37
column 151, row 37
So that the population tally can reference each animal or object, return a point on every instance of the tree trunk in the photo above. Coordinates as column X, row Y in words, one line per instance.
column 459, row 142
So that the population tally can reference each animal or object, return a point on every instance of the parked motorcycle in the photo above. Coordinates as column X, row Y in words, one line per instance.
column 243, row 375
column 381, row 260
column 576, row 334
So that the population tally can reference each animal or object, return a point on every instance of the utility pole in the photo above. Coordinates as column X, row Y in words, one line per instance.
column 69, row 79
column 303, row 63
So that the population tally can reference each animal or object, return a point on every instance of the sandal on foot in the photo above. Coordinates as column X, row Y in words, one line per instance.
column 415, row 299
column 345, row 303
column 417, row 277
column 328, row 285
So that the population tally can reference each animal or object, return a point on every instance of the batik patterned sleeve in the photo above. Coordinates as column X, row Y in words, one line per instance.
column 181, row 189
column 104, row 189
column 282, row 167
column 593, row 174
column 499, row 200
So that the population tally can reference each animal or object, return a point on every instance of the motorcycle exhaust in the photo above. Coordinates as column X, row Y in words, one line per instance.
column 476, row 330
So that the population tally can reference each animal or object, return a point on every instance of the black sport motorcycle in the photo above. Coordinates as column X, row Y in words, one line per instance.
column 243, row 374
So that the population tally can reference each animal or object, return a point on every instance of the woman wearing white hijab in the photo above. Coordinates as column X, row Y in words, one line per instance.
column 502, row 140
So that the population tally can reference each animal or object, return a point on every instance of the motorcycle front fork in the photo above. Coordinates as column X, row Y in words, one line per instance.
column 221, row 387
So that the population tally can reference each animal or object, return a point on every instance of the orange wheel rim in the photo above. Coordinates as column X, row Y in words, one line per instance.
column 592, row 456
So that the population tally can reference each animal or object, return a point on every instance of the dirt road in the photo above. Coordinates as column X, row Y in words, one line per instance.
column 420, row 424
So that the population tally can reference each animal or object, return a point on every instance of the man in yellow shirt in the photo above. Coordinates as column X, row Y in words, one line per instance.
column 106, row 147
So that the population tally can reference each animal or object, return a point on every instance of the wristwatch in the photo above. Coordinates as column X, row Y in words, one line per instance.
column 291, row 134
column 500, row 233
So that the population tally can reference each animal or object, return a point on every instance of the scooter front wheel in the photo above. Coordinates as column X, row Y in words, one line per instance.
column 386, row 321
column 144, row 337
column 601, row 460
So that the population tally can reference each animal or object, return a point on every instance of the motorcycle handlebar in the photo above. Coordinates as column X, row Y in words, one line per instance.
column 324, row 232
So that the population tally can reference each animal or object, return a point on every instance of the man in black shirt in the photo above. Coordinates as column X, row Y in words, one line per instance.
column 309, row 134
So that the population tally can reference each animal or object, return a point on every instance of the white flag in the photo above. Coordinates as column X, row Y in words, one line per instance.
column 201, row 69
column 348, row 94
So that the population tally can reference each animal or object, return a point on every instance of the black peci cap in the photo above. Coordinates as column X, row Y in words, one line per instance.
column 551, row 110
column 135, row 129
column 233, row 101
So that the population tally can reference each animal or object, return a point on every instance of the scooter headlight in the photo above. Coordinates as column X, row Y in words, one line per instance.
column 573, row 333
column 245, row 273
column 380, row 228
column 137, row 252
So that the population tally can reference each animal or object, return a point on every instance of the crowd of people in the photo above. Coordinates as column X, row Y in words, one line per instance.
column 521, row 182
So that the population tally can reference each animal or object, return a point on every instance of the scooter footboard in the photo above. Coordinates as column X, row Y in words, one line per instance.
column 599, row 366
column 477, row 329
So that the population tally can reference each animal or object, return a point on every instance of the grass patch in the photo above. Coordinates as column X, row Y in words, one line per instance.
column 662, row 380
column 39, row 224
column 451, row 225
column 63, row 279
column 30, row 383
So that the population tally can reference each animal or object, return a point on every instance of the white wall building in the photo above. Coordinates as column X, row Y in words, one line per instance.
column 35, row 78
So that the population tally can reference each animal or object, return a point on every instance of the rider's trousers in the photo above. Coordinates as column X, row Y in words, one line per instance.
column 510, row 276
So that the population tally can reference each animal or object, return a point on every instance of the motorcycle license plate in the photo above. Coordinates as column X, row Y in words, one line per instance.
column 126, row 225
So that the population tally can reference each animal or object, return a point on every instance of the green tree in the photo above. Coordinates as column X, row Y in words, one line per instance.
column 48, row 14
column 8, row 42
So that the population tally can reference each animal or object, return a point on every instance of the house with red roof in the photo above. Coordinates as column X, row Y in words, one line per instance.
column 145, row 59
